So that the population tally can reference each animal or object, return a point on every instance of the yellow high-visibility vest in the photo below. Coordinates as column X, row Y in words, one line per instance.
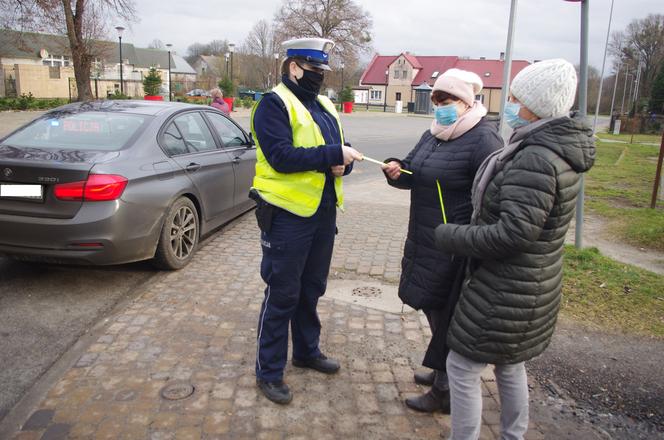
column 301, row 192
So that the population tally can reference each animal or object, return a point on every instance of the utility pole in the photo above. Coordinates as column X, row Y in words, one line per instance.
column 622, row 104
column 637, row 86
column 601, row 75
column 631, row 93
column 615, row 86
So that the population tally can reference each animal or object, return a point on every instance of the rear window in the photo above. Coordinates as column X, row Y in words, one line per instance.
column 82, row 131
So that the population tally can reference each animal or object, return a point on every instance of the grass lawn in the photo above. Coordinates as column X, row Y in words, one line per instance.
column 619, row 188
column 626, row 137
column 605, row 293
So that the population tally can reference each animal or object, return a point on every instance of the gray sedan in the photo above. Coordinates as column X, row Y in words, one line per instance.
column 110, row 182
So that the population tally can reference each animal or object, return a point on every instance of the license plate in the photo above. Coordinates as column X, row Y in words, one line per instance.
column 18, row 191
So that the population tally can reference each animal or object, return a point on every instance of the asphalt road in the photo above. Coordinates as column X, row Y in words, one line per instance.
column 45, row 309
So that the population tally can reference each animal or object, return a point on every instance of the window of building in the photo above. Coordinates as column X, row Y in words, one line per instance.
column 398, row 96
column 376, row 95
column 479, row 98
column 396, row 74
column 435, row 74
column 54, row 72
column 405, row 74
column 56, row 61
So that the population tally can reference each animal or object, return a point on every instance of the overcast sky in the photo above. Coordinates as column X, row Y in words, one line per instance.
column 544, row 28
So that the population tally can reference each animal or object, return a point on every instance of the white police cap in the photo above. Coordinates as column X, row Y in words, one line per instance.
column 315, row 51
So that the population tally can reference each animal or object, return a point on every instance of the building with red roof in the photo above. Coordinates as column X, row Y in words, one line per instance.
column 396, row 77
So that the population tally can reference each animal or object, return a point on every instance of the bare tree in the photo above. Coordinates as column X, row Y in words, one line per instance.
column 215, row 47
column 157, row 44
column 342, row 21
column 642, row 41
column 259, row 47
column 82, row 21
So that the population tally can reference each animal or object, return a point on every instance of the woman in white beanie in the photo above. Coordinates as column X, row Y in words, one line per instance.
column 523, row 201
column 443, row 164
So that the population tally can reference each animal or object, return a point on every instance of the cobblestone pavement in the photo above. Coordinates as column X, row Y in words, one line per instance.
column 197, row 327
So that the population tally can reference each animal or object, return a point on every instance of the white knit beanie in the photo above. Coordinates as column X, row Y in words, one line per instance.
column 460, row 83
column 547, row 88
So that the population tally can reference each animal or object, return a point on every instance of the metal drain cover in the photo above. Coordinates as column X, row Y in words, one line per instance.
column 367, row 291
column 177, row 391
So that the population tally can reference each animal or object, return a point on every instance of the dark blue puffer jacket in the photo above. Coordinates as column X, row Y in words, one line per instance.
column 427, row 273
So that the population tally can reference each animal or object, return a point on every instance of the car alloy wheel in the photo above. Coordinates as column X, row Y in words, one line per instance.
column 184, row 231
column 179, row 236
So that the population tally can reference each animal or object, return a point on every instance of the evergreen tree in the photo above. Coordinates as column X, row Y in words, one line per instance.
column 227, row 86
column 657, row 96
column 152, row 82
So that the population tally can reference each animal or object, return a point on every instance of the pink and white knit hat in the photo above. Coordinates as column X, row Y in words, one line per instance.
column 460, row 83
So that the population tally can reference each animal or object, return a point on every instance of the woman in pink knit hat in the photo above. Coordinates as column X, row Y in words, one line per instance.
column 443, row 164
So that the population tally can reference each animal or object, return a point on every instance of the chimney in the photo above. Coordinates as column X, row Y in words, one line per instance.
column 502, row 56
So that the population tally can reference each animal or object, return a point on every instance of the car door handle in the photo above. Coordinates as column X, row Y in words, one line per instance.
column 236, row 159
column 192, row 167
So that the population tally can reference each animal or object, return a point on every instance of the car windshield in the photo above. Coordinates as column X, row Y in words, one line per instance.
column 81, row 131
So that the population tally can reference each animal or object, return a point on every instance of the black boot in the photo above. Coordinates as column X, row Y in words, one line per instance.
column 431, row 401
column 321, row 363
column 277, row 392
column 425, row 378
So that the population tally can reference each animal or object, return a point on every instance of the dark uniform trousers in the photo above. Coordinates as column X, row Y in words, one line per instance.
column 297, row 252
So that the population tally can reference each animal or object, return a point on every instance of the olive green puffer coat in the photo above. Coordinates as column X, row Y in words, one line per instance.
column 510, row 298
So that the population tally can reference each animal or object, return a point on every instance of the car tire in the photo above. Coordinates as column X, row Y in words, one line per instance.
column 179, row 236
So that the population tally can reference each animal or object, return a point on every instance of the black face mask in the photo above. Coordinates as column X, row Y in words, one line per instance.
column 311, row 81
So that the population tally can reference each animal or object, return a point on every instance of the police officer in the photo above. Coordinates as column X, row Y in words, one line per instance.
column 301, row 158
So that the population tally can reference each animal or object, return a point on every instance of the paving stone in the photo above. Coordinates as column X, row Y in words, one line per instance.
column 39, row 419
column 199, row 325
column 58, row 431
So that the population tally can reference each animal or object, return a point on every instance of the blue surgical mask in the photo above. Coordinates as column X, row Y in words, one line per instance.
column 512, row 115
column 446, row 114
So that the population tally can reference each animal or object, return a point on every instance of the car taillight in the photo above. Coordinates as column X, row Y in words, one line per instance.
column 98, row 188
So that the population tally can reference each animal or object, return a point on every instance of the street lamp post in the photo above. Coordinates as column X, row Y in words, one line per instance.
column 231, row 49
column 342, row 74
column 276, row 68
column 227, row 55
column 170, row 93
column 120, row 30
column 387, row 79
column 507, row 67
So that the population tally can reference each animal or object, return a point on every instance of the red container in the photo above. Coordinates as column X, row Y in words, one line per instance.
column 348, row 107
column 229, row 101
column 153, row 98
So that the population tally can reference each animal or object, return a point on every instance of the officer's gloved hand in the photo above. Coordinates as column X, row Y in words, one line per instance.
column 350, row 154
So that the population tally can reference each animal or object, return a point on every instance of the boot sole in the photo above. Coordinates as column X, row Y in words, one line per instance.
column 300, row 364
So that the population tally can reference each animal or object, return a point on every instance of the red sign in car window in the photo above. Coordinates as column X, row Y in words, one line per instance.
column 81, row 126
